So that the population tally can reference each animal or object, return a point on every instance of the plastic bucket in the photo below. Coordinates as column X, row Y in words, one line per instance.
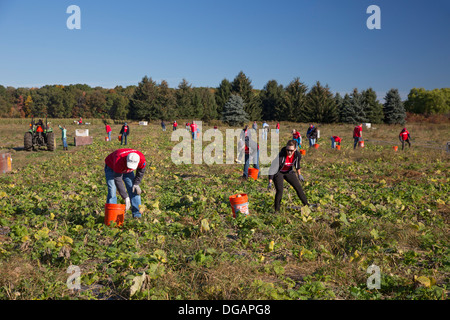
column 316, row 146
column 239, row 202
column 120, row 138
column 338, row 147
column 302, row 152
column 361, row 143
column 106, row 139
column 395, row 148
column 114, row 213
column 253, row 173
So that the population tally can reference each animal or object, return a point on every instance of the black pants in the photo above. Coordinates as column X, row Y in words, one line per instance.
column 403, row 143
column 292, row 178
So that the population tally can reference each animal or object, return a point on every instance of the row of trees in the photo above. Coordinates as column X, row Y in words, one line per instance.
column 151, row 101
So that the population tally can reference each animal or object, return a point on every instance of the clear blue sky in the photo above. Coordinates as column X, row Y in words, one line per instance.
column 205, row 41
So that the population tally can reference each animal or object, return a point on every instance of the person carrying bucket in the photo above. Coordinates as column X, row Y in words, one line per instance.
column 251, row 149
column 335, row 140
column 108, row 131
column 119, row 169
column 404, row 137
column 357, row 135
column 286, row 166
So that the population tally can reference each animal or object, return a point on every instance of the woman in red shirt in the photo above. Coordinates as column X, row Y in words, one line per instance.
column 286, row 166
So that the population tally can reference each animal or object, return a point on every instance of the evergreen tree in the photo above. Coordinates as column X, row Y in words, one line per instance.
column 165, row 101
column 184, row 96
column 233, row 111
column 373, row 108
column 119, row 106
column 321, row 105
column 143, row 103
column 272, row 105
column 242, row 86
column 295, row 101
column 358, row 106
column 222, row 94
column 393, row 109
column 346, row 114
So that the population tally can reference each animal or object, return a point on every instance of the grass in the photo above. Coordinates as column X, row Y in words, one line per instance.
column 376, row 206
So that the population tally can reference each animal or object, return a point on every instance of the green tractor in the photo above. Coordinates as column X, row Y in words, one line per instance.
column 39, row 136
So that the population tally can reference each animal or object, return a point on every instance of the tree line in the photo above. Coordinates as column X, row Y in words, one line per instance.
column 153, row 101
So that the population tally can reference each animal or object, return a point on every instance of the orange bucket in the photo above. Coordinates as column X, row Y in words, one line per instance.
column 316, row 146
column 239, row 202
column 302, row 152
column 120, row 138
column 106, row 139
column 253, row 173
column 114, row 213
column 338, row 147
column 361, row 144
column 395, row 148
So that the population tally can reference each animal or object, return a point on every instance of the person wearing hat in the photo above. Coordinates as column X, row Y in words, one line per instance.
column 404, row 136
column 119, row 170
column 125, row 131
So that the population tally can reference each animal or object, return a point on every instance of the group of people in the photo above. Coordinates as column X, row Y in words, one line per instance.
column 311, row 135
column 120, row 166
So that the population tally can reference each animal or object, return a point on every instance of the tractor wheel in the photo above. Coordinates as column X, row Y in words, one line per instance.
column 28, row 141
column 51, row 141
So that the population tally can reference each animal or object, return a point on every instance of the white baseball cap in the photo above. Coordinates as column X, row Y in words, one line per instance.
column 133, row 160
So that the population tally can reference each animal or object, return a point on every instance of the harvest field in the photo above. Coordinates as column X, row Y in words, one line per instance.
column 375, row 206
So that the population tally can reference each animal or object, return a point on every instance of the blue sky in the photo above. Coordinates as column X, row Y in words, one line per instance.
column 205, row 41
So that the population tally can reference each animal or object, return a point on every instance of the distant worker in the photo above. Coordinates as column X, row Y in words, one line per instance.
column 163, row 125
column 194, row 130
column 125, row 132
column 404, row 137
column 174, row 126
column 335, row 140
column 311, row 134
column 265, row 128
column 119, row 170
column 108, row 131
column 297, row 137
column 251, row 149
column 357, row 135
column 80, row 121
column 64, row 136
column 277, row 128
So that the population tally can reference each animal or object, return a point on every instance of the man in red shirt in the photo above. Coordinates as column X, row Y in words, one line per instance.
column 108, row 131
column 120, row 166
column 194, row 130
column 357, row 135
column 404, row 137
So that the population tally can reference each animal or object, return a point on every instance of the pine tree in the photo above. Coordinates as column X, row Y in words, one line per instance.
column 143, row 103
column 272, row 105
column 393, row 109
column 295, row 101
column 242, row 86
column 184, row 95
column 373, row 108
column 222, row 94
column 346, row 114
column 358, row 106
column 233, row 111
column 321, row 105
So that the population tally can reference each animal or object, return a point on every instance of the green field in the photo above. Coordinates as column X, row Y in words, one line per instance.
column 376, row 206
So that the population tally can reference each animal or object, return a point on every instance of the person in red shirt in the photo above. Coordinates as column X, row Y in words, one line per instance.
column 119, row 169
column 297, row 137
column 286, row 166
column 277, row 127
column 404, row 137
column 125, row 132
column 357, row 135
column 174, row 126
column 194, row 130
column 335, row 140
column 108, row 131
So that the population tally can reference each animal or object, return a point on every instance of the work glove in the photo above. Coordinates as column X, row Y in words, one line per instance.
column 301, row 178
column 127, row 203
column 269, row 186
column 136, row 189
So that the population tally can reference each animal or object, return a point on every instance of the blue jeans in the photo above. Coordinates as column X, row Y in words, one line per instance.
column 277, row 131
column 355, row 141
column 128, row 178
column 247, row 164
column 333, row 143
column 312, row 142
column 64, row 142
column 109, row 136
column 299, row 143
column 124, row 139
column 194, row 135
